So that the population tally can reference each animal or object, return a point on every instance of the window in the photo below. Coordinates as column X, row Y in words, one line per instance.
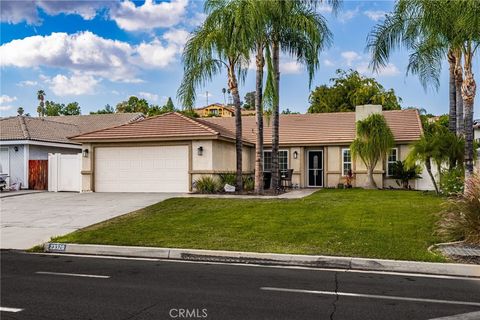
column 346, row 161
column 392, row 158
column 282, row 160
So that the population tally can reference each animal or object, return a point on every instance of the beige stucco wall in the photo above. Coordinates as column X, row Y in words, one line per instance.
column 224, row 157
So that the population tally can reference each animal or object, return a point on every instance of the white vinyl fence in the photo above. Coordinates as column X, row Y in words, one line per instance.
column 64, row 172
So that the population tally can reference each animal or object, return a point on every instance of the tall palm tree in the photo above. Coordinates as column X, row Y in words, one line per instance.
column 41, row 104
column 373, row 142
column 296, row 28
column 209, row 50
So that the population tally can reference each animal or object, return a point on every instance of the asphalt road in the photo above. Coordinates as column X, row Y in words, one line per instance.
column 68, row 287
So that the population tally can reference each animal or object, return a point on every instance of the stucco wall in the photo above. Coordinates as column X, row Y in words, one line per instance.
column 224, row 157
column 41, row 152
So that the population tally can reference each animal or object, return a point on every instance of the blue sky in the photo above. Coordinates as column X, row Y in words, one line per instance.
column 101, row 52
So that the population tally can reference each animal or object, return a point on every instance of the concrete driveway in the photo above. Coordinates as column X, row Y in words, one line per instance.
column 31, row 219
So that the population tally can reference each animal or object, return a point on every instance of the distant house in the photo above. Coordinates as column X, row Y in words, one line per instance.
column 220, row 110
column 25, row 138
column 167, row 153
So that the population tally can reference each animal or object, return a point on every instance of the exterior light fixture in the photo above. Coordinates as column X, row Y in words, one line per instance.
column 200, row 150
column 295, row 155
column 15, row 148
column 85, row 153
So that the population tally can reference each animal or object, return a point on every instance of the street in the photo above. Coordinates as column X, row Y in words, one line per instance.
column 38, row 286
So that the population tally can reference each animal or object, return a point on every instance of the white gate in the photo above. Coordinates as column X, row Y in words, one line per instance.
column 64, row 172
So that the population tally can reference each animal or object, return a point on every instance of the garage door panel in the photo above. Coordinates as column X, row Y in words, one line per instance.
column 141, row 169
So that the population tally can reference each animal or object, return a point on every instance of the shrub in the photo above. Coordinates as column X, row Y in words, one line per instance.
column 228, row 178
column 452, row 181
column 403, row 173
column 208, row 184
column 248, row 183
column 461, row 218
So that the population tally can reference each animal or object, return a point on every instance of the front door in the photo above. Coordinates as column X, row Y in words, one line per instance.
column 315, row 168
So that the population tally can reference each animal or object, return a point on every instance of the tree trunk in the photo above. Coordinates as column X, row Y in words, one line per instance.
column 458, row 93
column 370, row 182
column 428, row 166
column 452, row 114
column 233, row 86
column 260, row 62
column 275, row 115
column 469, row 88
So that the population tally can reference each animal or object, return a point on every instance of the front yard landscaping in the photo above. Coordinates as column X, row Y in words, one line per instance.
column 364, row 223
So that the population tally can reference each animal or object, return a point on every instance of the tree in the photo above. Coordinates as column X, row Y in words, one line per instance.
column 52, row 109
column 288, row 111
column 71, row 109
column 373, row 141
column 133, row 104
column 20, row 111
column 41, row 104
column 210, row 49
column 169, row 106
column 348, row 90
column 106, row 110
column 249, row 101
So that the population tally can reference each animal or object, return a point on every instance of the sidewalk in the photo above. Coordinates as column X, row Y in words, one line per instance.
column 448, row 269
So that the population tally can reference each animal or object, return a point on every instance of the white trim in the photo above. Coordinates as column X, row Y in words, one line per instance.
column 40, row 143
column 308, row 169
column 7, row 149
column 343, row 162
column 396, row 159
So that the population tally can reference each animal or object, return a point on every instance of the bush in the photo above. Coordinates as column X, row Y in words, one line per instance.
column 461, row 218
column 228, row 178
column 452, row 181
column 403, row 173
column 208, row 184
column 248, row 183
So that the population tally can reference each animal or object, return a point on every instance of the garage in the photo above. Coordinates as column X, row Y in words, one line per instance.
column 141, row 169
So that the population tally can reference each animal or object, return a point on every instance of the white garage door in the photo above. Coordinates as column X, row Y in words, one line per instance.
column 141, row 169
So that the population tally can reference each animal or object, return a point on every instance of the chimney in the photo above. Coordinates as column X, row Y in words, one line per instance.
column 362, row 112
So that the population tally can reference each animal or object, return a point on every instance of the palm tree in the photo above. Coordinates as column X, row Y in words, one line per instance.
column 210, row 49
column 296, row 28
column 20, row 111
column 41, row 105
column 373, row 141
column 423, row 150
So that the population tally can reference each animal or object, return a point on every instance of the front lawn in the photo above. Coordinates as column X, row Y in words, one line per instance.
column 356, row 222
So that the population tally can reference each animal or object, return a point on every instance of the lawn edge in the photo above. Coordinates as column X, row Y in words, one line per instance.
column 316, row 261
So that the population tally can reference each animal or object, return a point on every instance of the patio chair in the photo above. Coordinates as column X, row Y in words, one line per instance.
column 286, row 179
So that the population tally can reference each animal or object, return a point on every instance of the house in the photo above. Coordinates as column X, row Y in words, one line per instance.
column 220, row 110
column 167, row 153
column 27, row 141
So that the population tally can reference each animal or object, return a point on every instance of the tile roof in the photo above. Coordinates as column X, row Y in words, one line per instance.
column 58, row 129
column 93, row 122
column 39, row 129
column 323, row 128
column 171, row 125
column 296, row 129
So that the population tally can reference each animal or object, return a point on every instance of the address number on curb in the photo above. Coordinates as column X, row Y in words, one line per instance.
column 57, row 247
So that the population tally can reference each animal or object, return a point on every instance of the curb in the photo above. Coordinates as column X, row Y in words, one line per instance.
column 448, row 269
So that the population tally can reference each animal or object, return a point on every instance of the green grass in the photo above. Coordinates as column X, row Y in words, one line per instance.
column 356, row 222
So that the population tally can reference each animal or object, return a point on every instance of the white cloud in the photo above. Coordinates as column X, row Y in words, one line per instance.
column 87, row 9
column 149, row 96
column 324, row 8
column 350, row 57
column 290, row 66
column 328, row 63
column 375, row 15
column 74, row 85
column 6, row 108
column 389, row 70
column 148, row 16
column 19, row 11
column 197, row 19
column 6, row 99
column 347, row 15
column 27, row 83
column 89, row 54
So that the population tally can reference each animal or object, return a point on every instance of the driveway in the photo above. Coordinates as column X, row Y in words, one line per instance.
column 31, row 219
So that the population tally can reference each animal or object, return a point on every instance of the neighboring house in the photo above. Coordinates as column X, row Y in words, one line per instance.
column 30, row 138
column 167, row 153
column 220, row 110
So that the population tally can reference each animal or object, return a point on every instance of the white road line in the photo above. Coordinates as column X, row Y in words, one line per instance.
column 393, row 273
column 372, row 296
column 73, row 274
column 463, row 316
column 10, row 309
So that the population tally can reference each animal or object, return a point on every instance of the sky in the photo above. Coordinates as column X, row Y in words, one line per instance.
column 102, row 52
